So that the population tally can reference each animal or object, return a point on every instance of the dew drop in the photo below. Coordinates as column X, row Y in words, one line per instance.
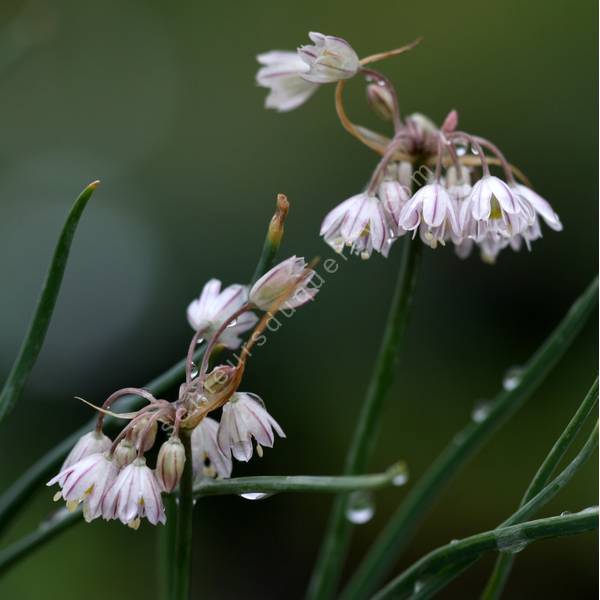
column 511, row 543
column 194, row 371
column 452, row 542
column 418, row 587
column 461, row 147
column 361, row 508
column 474, row 150
column 400, row 479
column 589, row 509
column 565, row 513
column 254, row 496
column 512, row 378
column 481, row 411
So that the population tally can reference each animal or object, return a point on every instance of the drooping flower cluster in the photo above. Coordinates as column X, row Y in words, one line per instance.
column 431, row 181
column 111, row 478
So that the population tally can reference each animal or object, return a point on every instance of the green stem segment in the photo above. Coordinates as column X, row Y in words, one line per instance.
column 34, row 339
column 337, row 536
column 185, row 512
column 510, row 539
column 62, row 520
column 504, row 563
column 167, row 539
column 387, row 548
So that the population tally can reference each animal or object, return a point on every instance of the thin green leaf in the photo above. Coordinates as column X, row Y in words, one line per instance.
column 62, row 520
column 387, row 548
column 34, row 339
column 506, row 539
column 336, row 539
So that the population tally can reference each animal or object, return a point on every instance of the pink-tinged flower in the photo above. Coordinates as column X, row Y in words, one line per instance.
column 431, row 209
column 215, row 307
column 330, row 59
column 170, row 463
column 281, row 74
column 245, row 417
column 134, row 495
column 275, row 283
column 87, row 481
column 207, row 458
column 496, row 208
column 393, row 196
column 125, row 452
column 541, row 206
column 359, row 223
column 90, row 443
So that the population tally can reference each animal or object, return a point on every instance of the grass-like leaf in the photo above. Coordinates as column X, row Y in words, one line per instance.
column 397, row 533
column 63, row 520
column 34, row 339
column 509, row 539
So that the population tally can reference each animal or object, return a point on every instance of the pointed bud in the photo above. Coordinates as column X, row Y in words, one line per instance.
column 139, row 431
column 450, row 122
column 380, row 100
column 124, row 453
column 170, row 463
column 216, row 381
column 275, row 232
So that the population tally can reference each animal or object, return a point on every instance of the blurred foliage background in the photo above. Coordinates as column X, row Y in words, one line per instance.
column 158, row 101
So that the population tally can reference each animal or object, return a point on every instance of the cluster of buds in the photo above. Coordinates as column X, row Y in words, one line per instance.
column 111, row 478
column 431, row 181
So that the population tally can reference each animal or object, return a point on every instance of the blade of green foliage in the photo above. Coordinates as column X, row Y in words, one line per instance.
column 62, row 520
column 509, row 539
column 34, row 339
column 337, row 535
column 397, row 533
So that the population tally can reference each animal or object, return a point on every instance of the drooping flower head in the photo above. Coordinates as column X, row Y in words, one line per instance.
column 91, row 443
column 208, row 458
column 281, row 74
column 214, row 307
column 330, row 59
column 245, row 418
column 359, row 223
column 276, row 283
column 134, row 495
column 293, row 77
column 86, row 481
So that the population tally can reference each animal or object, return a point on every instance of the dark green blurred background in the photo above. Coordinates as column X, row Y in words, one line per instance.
column 158, row 101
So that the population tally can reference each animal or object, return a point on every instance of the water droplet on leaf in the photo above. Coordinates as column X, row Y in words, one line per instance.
column 361, row 507
column 254, row 496
column 512, row 378
column 481, row 411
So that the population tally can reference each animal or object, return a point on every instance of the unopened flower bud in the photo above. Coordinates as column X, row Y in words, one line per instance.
column 140, row 430
column 125, row 453
column 170, row 463
column 289, row 278
column 380, row 99
column 330, row 59
column 216, row 381
column 276, row 225
column 450, row 122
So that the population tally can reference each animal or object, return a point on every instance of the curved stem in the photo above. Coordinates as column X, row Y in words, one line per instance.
column 393, row 539
column 337, row 535
column 505, row 539
column 128, row 391
column 185, row 509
